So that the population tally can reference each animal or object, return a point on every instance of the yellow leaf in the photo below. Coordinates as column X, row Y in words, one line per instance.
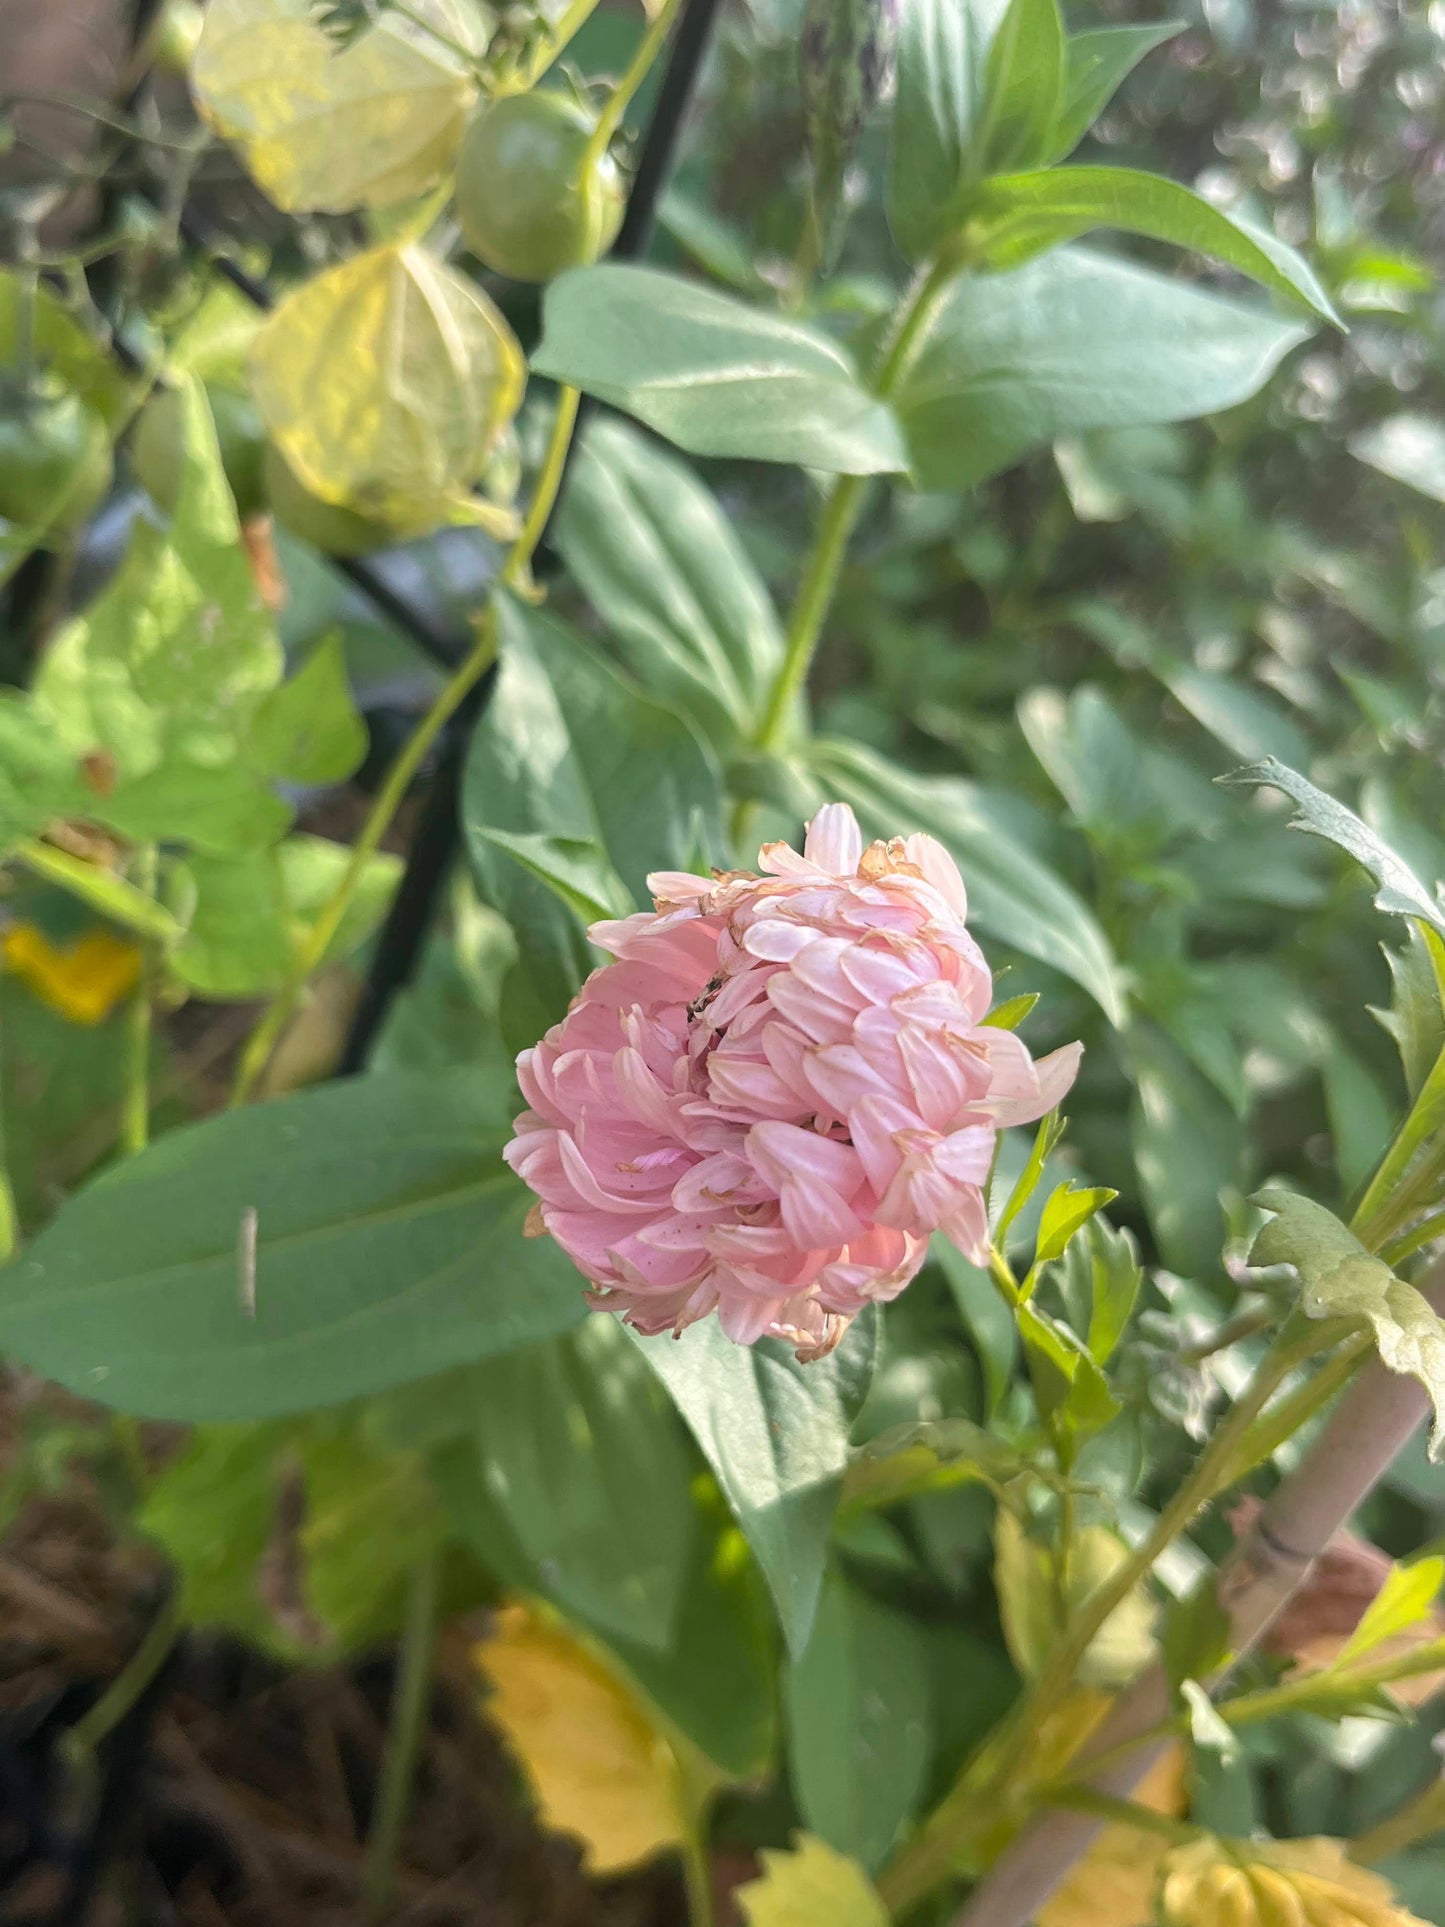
column 1275, row 1883
column 1031, row 1609
column 385, row 381
column 597, row 1765
column 1115, row 1883
column 810, row 1887
column 84, row 981
column 326, row 128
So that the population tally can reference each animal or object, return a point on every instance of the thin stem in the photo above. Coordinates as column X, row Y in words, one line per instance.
column 548, row 50
column 9, row 1217
column 815, row 594
column 1408, row 1243
column 1124, row 1813
column 110, row 895
column 410, row 1701
column 135, row 1116
column 129, row 1683
column 695, row 1794
column 1234, row 1331
column 636, row 71
column 930, row 1857
column 318, row 939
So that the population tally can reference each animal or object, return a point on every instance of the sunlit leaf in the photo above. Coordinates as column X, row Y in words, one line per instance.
column 597, row 1765
column 1263, row 1883
column 1410, row 448
column 1067, row 1210
column 1405, row 1599
column 1033, row 1608
column 1339, row 1278
column 328, row 128
column 811, row 1886
column 1097, row 62
column 385, row 381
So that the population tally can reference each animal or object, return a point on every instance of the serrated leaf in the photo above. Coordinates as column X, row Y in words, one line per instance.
column 385, row 381
column 1405, row 1599
column 307, row 730
column 1339, row 1278
column 811, row 1886
column 1067, row 1210
column 326, row 128
column 1399, row 893
column 713, row 374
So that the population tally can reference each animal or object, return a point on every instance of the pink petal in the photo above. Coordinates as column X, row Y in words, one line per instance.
column 834, row 841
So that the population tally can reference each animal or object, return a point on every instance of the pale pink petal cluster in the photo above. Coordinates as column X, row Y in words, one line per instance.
column 778, row 1091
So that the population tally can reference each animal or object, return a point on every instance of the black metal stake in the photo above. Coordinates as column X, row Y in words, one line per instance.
column 438, row 831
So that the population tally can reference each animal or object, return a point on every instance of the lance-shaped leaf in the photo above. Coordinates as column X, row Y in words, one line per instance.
column 1339, row 1278
column 1017, row 216
column 776, row 1434
column 1097, row 62
column 1400, row 892
column 845, row 61
column 712, row 374
column 942, row 62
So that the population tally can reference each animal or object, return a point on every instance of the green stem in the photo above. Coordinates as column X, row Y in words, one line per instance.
column 974, row 1800
column 914, row 316
column 110, row 895
column 9, row 1217
column 318, row 939
column 548, row 50
column 135, row 1113
column 129, row 1683
column 1243, row 1325
column 696, row 1859
column 410, row 1701
column 636, row 71
column 1124, row 1813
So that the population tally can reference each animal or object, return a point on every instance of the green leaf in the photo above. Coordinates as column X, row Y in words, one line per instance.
column 1409, row 448
column 1097, row 62
column 988, row 1321
column 1051, row 1129
column 571, row 760
column 810, row 1886
column 858, row 1707
column 1029, row 1603
column 40, row 778
column 1066, row 1212
column 65, row 348
column 776, row 1434
column 1012, row 1011
column 845, row 59
column 1405, row 1600
column 1017, row 216
column 927, row 1456
column 388, row 1244
column 1243, row 718
column 1416, row 1017
column 942, row 60
column 1071, row 342
column 579, row 1453
column 574, row 867
column 1400, row 892
column 1195, row 1642
column 311, row 869
column 712, row 374
column 1186, row 1150
column 238, row 940
column 1024, row 85
column 1013, row 896
column 1339, row 1278
column 307, row 730
column 1103, row 1277
column 657, row 558
column 1071, row 1392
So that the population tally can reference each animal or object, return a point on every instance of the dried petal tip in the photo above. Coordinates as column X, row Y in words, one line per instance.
column 778, row 1092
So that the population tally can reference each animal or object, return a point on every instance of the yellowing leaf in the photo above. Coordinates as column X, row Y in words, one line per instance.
column 598, row 1766
column 1030, row 1607
column 1339, row 1278
column 1247, row 1883
column 385, row 381
column 84, row 981
column 1115, row 1882
column 326, row 128
column 810, row 1887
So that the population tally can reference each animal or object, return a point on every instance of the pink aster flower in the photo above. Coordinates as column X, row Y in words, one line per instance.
column 778, row 1091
